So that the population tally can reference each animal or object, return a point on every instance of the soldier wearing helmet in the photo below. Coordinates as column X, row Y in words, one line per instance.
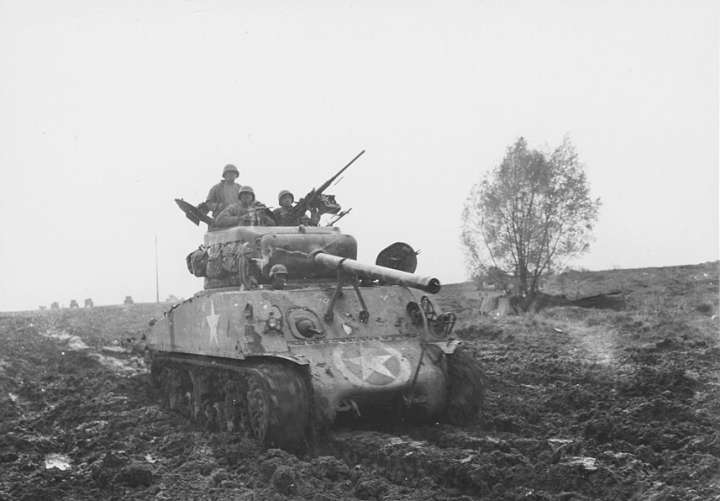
column 278, row 276
column 285, row 214
column 223, row 194
column 245, row 212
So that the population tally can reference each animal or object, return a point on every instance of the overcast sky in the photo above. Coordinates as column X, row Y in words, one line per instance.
column 109, row 110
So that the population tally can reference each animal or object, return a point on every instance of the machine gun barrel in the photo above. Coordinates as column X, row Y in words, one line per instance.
column 327, row 183
column 371, row 271
column 307, row 201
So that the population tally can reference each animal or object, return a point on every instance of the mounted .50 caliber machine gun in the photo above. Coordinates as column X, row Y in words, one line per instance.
column 318, row 202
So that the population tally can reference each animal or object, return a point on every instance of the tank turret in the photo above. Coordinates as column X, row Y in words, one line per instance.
column 245, row 255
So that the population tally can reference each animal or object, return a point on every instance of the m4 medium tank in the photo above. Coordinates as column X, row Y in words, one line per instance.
column 291, row 332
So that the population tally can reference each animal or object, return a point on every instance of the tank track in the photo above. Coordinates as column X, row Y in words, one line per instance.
column 466, row 388
column 264, row 399
column 271, row 400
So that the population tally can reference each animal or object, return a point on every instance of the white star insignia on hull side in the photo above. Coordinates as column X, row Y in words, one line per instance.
column 212, row 320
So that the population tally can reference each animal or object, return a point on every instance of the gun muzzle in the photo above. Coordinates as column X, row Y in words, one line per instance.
column 372, row 272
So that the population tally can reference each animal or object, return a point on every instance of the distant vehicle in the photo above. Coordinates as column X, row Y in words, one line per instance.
column 128, row 300
column 291, row 332
column 74, row 304
column 89, row 303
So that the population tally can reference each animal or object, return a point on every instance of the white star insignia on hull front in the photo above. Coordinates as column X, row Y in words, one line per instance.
column 371, row 365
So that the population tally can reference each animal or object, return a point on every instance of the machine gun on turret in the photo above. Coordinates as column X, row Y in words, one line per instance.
column 339, row 216
column 317, row 201
column 194, row 214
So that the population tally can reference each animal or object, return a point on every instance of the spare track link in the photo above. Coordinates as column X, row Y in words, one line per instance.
column 267, row 400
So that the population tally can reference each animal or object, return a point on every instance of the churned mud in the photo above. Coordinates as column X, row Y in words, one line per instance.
column 580, row 403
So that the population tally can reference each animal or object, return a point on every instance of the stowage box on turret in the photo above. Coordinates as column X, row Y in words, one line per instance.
column 290, row 332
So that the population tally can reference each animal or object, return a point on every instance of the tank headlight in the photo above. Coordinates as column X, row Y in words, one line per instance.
column 274, row 320
column 440, row 326
column 415, row 313
column 443, row 324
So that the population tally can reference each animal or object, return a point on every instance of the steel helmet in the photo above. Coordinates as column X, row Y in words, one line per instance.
column 230, row 168
column 277, row 269
column 285, row 192
column 246, row 189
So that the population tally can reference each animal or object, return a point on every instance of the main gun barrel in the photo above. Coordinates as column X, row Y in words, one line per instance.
column 371, row 271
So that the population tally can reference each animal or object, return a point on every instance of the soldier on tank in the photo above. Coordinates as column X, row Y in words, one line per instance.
column 278, row 276
column 285, row 215
column 223, row 194
column 246, row 212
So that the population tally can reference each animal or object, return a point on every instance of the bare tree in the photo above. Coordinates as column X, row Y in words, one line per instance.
column 527, row 215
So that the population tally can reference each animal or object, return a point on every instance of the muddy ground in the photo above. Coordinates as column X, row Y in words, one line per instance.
column 581, row 404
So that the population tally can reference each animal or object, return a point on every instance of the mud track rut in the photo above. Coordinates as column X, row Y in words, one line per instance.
column 407, row 460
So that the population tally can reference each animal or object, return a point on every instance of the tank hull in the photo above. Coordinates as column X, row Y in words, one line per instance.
column 350, row 362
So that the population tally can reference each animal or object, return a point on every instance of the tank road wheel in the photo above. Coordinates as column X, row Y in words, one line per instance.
column 206, row 408
column 278, row 407
column 156, row 372
column 235, row 409
column 258, row 404
column 175, row 387
column 466, row 387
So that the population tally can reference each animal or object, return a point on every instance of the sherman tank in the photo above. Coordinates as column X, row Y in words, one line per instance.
column 291, row 334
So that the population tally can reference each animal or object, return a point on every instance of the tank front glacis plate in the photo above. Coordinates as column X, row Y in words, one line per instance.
column 374, row 370
column 237, row 324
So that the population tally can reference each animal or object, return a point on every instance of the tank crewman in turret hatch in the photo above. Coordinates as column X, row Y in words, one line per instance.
column 285, row 215
column 223, row 194
column 246, row 212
